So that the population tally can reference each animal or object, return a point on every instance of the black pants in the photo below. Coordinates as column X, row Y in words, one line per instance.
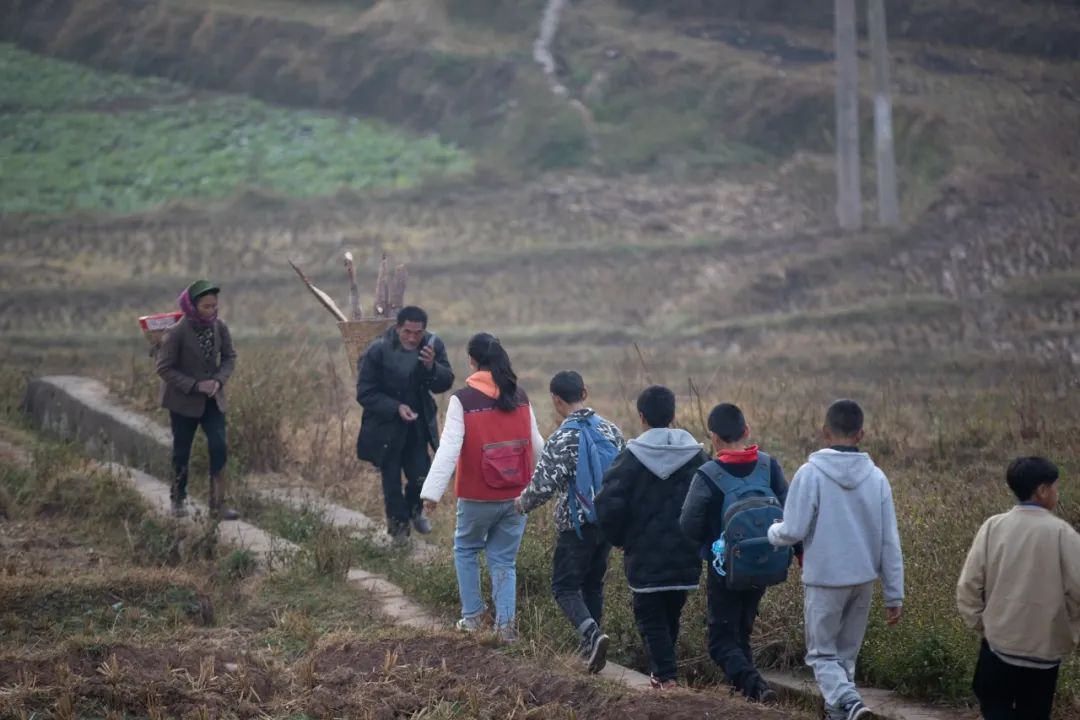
column 731, row 620
column 1008, row 692
column 415, row 462
column 577, row 578
column 657, row 616
column 183, row 431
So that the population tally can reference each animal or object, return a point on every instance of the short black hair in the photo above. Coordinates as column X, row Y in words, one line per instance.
column 411, row 313
column 728, row 422
column 657, row 405
column 845, row 418
column 1026, row 474
column 568, row 385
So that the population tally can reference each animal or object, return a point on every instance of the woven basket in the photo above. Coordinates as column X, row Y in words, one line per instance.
column 358, row 334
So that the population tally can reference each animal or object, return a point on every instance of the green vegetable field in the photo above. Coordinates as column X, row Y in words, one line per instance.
column 77, row 139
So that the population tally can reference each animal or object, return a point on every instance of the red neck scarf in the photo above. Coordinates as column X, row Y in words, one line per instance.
column 737, row 457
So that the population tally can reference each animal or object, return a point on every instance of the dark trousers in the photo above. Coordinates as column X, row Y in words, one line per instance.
column 1008, row 692
column 183, row 431
column 657, row 617
column 577, row 578
column 731, row 620
column 414, row 461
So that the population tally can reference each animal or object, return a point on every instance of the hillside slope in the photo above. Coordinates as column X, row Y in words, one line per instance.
column 703, row 218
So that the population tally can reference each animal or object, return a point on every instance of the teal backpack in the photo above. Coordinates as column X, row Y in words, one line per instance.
column 747, row 559
column 595, row 455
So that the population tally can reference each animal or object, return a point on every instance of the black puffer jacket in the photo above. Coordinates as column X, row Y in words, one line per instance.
column 388, row 376
column 638, row 510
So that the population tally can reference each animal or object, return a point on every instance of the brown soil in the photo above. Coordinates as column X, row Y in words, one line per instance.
column 381, row 679
column 45, row 547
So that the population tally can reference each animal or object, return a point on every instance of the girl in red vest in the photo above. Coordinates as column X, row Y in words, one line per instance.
column 490, row 437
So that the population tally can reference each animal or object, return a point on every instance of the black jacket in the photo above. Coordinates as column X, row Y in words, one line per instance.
column 701, row 514
column 639, row 512
column 388, row 377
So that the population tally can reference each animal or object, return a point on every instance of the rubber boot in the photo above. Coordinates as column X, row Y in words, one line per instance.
column 218, row 511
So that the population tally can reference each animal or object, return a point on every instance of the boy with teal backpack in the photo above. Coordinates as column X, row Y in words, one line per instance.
column 572, row 468
column 731, row 503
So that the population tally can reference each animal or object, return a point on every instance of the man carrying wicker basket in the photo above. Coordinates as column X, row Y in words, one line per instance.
column 398, row 374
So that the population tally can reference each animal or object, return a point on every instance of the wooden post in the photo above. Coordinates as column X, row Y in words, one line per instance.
column 888, row 197
column 849, row 195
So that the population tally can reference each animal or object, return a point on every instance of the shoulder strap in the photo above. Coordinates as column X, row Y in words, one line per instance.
column 719, row 478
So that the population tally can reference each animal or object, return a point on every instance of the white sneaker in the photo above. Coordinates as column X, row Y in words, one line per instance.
column 469, row 624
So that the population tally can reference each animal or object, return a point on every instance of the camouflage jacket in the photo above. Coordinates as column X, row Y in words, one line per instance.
column 555, row 471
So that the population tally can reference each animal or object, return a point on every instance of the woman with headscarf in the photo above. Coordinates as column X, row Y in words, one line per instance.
column 490, row 438
column 194, row 362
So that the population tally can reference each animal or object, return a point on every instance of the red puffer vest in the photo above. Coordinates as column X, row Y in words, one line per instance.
column 496, row 456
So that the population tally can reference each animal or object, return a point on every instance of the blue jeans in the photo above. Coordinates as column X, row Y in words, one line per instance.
column 495, row 528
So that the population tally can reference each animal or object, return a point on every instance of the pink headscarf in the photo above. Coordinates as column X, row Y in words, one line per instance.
column 192, row 313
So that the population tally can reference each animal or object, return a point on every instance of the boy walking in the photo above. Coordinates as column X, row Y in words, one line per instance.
column 1020, row 590
column 638, row 510
column 841, row 506
column 581, row 552
column 732, row 610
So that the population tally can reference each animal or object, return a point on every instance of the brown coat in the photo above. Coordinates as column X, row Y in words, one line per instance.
column 181, row 365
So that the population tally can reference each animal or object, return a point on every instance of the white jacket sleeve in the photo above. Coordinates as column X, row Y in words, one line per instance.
column 446, row 457
column 537, row 438
column 800, row 510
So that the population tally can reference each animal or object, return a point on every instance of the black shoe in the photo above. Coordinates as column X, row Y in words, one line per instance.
column 760, row 692
column 399, row 533
column 229, row 514
column 597, row 651
column 179, row 509
column 854, row 710
column 421, row 524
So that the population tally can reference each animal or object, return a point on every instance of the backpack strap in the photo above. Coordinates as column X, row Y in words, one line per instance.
column 725, row 482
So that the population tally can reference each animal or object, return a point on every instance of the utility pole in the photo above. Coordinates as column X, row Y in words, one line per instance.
column 888, row 198
column 849, row 196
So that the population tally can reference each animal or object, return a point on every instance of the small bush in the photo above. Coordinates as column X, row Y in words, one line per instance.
column 239, row 564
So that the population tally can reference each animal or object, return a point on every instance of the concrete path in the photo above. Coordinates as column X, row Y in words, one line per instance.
column 77, row 408
column 269, row 550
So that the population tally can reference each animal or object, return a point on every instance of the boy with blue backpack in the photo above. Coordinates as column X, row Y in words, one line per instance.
column 732, row 502
column 572, row 468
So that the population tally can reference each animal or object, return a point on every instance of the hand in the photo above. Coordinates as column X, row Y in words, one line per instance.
column 406, row 413
column 427, row 356
column 430, row 506
column 519, row 507
column 207, row 387
column 893, row 614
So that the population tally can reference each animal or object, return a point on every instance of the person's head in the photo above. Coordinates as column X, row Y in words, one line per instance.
column 568, row 392
column 204, row 299
column 656, row 406
column 843, row 423
column 727, row 427
column 486, row 353
column 411, row 323
column 1034, row 479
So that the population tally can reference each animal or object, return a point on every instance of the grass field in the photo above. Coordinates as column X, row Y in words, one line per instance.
column 73, row 139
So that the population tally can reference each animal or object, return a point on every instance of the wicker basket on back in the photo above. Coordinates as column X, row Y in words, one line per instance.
column 358, row 334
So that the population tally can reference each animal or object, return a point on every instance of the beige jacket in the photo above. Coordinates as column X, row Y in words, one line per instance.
column 181, row 365
column 1020, row 586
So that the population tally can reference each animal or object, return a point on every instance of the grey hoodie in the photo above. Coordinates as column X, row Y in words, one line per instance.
column 664, row 450
column 840, row 506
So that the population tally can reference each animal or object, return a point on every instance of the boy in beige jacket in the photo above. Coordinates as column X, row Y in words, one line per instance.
column 1020, row 589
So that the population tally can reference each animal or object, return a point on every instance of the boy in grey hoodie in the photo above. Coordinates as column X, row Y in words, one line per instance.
column 840, row 506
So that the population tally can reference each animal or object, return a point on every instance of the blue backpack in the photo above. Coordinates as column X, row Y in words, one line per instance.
column 595, row 455
column 747, row 559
